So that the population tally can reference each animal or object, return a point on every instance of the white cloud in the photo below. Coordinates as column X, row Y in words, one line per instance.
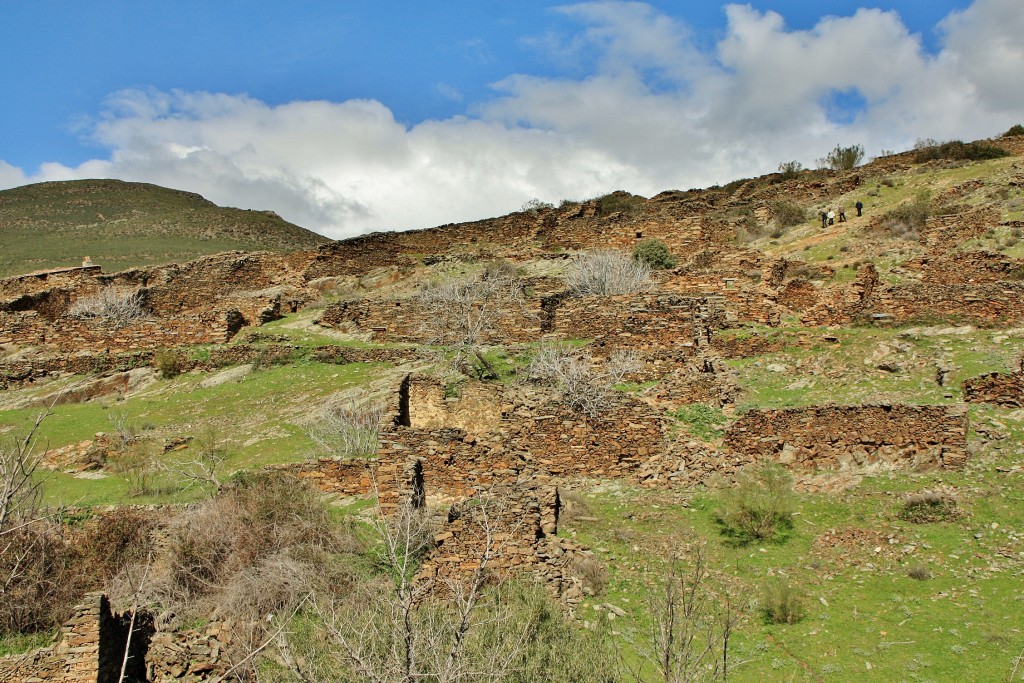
column 652, row 112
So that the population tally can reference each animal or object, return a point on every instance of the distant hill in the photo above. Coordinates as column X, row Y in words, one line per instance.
column 121, row 225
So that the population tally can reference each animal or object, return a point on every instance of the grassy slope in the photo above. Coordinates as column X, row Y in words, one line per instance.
column 121, row 225
column 867, row 619
column 845, row 243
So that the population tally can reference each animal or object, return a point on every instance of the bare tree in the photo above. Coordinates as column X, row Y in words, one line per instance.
column 691, row 626
column 26, row 541
column 116, row 305
column 583, row 384
column 462, row 314
column 20, row 488
column 607, row 272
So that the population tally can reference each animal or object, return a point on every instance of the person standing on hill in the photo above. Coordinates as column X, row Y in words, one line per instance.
column 842, row 213
column 831, row 217
column 824, row 220
column 860, row 207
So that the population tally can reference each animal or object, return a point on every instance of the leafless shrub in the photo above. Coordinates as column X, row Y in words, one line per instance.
column 274, row 585
column 204, row 462
column 399, row 629
column 28, row 540
column 691, row 625
column 127, row 434
column 583, row 385
column 116, row 305
column 930, row 506
column 592, row 573
column 216, row 555
column 139, row 465
column 463, row 313
column 34, row 563
column 606, row 273
column 347, row 427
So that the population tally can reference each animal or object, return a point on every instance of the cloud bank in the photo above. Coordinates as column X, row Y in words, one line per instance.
column 652, row 111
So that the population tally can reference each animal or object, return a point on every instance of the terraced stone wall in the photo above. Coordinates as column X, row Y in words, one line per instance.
column 1005, row 389
column 852, row 437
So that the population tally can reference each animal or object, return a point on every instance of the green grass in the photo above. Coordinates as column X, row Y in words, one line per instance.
column 962, row 623
column 848, row 372
column 16, row 644
column 259, row 417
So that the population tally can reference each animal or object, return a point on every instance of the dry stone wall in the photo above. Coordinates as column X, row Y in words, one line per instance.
column 948, row 232
column 867, row 299
column 90, row 649
column 645, row 322
column 1005, row 389
column 969, row 267
column 852, row 437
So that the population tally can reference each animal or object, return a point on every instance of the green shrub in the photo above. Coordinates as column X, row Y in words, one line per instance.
column 786, row 213
column 1014, row 131
column 759, row 507
column 654, row 253
column 843, row 158
column 782, row 603
column 790, row 170
column 169, row 363
column 957, row 150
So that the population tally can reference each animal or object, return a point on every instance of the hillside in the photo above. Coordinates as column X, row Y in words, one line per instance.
column 820, row 429
column 121, row 225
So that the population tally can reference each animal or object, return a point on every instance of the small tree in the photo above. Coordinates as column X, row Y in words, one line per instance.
column 691, row 625
column 462, row 314
column 790, row 170
column 843, row 158
column 1015, row 130
column 582, row 384
column 655, row 254
column 607, row 273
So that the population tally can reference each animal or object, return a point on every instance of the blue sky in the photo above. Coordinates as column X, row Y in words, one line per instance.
column 351, row 116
